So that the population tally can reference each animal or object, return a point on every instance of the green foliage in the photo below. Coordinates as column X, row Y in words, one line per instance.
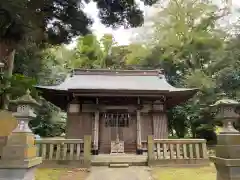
column 199, row 79
column 92, row 53
column 194, row 52
column 50, row 69
column 57, row 21
column 19, row 84
column 88, row 53
column 49, row 121
column 53, row 65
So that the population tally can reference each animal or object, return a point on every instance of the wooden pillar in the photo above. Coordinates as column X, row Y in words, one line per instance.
column 96, row 129
column 73, row 119
column 139, row 129
column 96, row 132
column 160, row 127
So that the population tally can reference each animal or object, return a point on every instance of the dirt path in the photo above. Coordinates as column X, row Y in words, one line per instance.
column 131, row 173
column 75, row 174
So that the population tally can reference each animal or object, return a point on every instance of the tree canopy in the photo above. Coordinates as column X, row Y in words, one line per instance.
column 58, row 21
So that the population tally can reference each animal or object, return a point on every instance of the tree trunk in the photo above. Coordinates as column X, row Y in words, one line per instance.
column 7, row 53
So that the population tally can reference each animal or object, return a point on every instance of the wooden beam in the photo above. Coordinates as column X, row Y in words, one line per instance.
column 116, row 95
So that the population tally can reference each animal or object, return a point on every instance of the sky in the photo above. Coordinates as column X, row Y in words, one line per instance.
column 122, row 36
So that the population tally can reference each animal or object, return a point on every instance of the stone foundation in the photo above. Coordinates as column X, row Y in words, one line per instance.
column 17, row 174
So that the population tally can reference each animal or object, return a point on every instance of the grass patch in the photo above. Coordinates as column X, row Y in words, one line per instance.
column 178, row 173
column 60, row 174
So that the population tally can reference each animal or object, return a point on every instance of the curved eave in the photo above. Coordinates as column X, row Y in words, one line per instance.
column 174, row 97
column 57, row 97
column 60, row 97
column 178, row 97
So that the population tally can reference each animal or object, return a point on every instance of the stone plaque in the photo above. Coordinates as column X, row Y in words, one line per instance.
column 117, row 147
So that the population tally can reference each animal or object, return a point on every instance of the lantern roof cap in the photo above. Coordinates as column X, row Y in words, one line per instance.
column 225, row 101
column 26, row 99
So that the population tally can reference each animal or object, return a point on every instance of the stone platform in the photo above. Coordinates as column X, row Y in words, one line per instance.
column 130, row 159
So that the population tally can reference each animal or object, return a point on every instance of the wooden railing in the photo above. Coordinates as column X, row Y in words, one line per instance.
column 65, row 151
column 177, row 151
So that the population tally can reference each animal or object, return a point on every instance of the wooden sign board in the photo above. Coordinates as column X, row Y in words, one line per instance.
column 7, row 124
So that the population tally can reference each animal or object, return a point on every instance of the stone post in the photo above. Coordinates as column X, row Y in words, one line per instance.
column 19, row 156
column 150, row 147
column 87, row 151
column 227, row 159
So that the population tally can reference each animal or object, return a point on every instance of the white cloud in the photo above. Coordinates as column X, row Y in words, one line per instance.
column 121, row 35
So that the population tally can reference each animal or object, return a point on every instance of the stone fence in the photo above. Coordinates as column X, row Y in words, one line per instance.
column 168, row 152
column 160, row 152
column 70, row 152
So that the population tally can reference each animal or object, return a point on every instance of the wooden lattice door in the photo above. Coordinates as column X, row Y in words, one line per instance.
column 113, row 125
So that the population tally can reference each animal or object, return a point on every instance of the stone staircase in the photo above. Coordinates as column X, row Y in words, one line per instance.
column 119, row 160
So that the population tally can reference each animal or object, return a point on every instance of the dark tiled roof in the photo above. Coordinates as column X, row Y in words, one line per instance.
column 109, row 83
column 149, row 80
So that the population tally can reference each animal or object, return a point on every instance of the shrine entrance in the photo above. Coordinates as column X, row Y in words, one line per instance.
column 117, row 132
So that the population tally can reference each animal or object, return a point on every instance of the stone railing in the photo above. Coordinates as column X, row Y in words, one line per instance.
column 164, row 152
column 65, row 151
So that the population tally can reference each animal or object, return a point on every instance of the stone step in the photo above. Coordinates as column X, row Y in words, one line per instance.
column 114, row 165
column 130, row 159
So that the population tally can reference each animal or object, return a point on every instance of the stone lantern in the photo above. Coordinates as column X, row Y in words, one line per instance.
column 227, row 159
column 25, row 112
column 19, row 156
column 226, row 112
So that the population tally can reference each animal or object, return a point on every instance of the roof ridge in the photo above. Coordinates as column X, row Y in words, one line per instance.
column 139, row 72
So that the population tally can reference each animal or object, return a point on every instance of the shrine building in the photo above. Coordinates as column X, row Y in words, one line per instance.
column 116, row 106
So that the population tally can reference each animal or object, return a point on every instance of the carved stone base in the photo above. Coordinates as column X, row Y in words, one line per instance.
column 27, row 163
column 228, row 151
column 227, row 169
column 19, row 146
column 17, row 174
column 228, row 146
